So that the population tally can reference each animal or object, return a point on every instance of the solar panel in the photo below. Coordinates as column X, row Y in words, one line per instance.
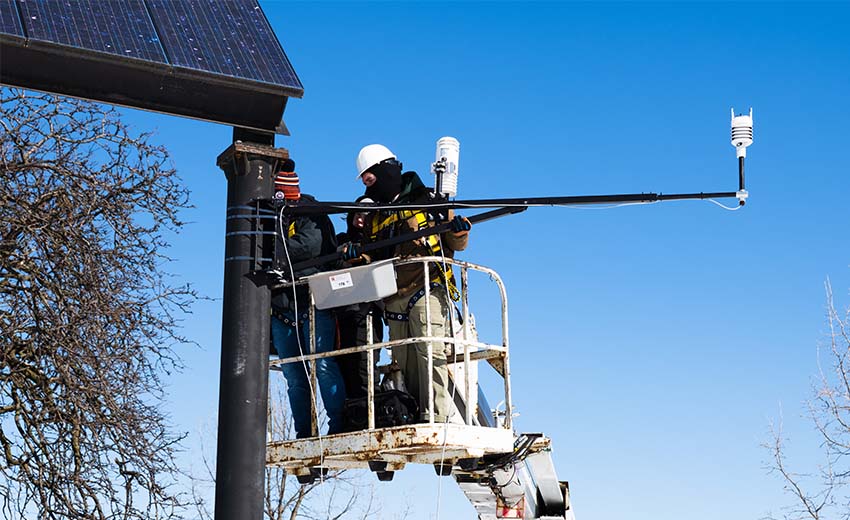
column 217, row 60
column 231, row 38
column 121, row 27
column 10, row 21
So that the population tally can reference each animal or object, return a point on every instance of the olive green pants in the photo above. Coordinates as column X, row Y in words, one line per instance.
column 413, row 359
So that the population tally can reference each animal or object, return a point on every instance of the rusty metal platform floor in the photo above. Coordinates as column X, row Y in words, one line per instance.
column 410, row 444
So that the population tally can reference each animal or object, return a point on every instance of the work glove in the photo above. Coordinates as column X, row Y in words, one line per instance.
column 460, row 224
column 350, row 251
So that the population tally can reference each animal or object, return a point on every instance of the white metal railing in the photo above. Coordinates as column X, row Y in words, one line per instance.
column 482, row 350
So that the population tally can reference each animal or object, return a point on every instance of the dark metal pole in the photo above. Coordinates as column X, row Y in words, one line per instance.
column 740, row 173
column 243, row 393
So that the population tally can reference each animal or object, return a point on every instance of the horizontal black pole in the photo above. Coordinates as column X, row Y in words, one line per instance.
column 389, row 242
column 328, row 208
column 693, row 196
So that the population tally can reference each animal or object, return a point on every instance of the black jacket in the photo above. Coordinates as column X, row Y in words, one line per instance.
column 308, row 241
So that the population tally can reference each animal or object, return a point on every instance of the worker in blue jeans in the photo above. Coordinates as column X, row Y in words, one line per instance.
column 302, row 238
column 285, row 341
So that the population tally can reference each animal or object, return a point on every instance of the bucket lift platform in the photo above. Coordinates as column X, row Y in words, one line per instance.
column 502, row 473
column 391, row 448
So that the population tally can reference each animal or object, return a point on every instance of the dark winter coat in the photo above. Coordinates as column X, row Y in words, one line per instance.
column 308, row 241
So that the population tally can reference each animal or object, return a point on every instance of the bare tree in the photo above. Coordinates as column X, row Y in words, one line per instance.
column 823, row 492
column 338, row 495
column 88, row 316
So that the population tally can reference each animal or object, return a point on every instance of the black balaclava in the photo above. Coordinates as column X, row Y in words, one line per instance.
column 387, row 181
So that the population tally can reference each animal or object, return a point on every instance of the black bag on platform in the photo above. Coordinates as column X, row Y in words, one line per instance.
column 392, row 408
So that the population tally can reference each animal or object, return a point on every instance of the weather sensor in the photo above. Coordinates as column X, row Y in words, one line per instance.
column 445, row 166
column 742, row 137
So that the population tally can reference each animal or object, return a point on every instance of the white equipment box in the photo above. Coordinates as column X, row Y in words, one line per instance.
column 366, row 283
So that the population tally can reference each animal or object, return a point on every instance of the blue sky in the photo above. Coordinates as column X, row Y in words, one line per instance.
column 653, row 344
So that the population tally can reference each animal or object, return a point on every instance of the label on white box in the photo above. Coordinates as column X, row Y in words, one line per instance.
column 341, row 281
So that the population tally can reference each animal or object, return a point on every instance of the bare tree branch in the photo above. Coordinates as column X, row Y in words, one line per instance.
column 826, row 494
column 339, row 494
column 88, row 316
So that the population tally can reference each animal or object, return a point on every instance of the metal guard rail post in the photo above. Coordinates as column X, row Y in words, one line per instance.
column 463, row 342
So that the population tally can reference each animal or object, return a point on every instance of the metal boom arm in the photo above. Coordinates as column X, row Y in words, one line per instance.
column 328, row 208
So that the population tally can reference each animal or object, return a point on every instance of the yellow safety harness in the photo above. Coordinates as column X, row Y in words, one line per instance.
column 382, row 224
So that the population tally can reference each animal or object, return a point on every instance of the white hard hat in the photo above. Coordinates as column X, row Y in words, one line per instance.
column 371, row 155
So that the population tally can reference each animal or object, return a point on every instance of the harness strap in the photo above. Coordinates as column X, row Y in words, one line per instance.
column 396, row 316
column 287, row 320
column 432, row 242
column 448, row 276
column 405, row 316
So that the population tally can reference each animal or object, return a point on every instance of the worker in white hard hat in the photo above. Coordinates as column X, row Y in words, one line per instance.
column 380, row 171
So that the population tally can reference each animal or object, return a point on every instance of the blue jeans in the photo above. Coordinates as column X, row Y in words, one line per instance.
column 297, row 382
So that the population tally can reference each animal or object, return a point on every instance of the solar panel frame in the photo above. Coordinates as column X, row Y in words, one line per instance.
column 10, row 19
column 117, row 27
column 195, row 35
column 146, row 78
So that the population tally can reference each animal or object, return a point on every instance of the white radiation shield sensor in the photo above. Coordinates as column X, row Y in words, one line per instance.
column 742, row 132
column 448, row 154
